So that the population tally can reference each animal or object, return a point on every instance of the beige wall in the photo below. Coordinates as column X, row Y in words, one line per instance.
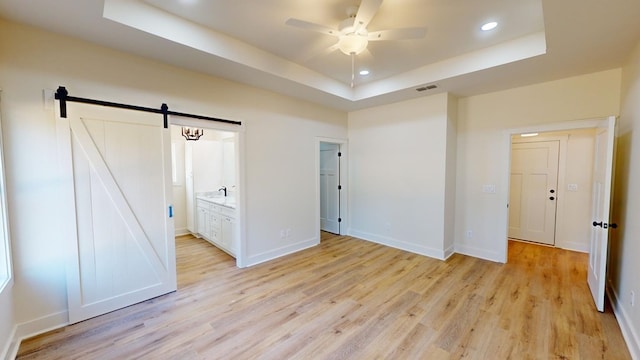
column 397, row 172
column 279, row 137
column 624, row 266
column 483, row 147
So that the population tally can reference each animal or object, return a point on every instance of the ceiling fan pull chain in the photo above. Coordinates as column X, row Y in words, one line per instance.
column 353, row 68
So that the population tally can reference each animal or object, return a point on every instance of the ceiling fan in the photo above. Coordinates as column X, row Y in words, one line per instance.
column 353, row 36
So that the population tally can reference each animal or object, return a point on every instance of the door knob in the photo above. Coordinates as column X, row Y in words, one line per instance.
column 597, row 223
column 551, row 198
column 613, row 225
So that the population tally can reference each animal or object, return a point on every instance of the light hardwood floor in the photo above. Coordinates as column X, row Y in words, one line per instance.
column 352, row 299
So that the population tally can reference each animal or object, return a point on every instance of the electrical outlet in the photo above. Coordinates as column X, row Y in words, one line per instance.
column 633, row 298
column 469, row 234
column 288, row 232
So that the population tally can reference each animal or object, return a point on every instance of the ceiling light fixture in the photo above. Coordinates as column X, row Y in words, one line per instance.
column 364, row 72
column 528, row 134
column 192, row 133
column 489, row 26
column 353, row 44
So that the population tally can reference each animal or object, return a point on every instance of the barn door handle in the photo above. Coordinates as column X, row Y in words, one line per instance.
column 597, row 223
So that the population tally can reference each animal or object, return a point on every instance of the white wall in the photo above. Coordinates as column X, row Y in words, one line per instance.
column 483, row 121
column 624, row 267
column 397, row 172
column 279, row 140
column 575, row 230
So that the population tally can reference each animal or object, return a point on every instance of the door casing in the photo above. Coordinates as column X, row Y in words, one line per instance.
column 503, row 194
column 344, row 164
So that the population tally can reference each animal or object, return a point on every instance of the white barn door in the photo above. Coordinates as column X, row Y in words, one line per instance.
column 599, row 246
column 123, row 247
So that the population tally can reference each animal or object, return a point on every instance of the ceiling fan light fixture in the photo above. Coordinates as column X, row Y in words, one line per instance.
column 352, row 44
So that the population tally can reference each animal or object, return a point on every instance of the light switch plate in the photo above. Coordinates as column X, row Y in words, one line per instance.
column 489, row 189
column 47, row 99
column 572, row 187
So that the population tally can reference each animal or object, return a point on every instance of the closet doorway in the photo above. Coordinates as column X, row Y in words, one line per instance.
column 331, row 185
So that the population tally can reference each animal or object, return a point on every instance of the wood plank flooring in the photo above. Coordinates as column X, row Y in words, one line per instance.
column 352, row 299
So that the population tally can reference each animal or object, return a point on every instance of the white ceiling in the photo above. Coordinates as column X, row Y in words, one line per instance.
column 248, row 41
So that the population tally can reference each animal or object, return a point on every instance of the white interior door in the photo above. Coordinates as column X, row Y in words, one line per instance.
column 123, row 248
column 599, row 246
column 329, row 184
column 533, row 191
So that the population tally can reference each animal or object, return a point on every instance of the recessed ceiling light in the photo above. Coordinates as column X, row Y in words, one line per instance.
column 529, row 134
column 364, row 72
column 489, row 26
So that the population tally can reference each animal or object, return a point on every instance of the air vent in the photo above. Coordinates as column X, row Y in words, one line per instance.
column 427, row 87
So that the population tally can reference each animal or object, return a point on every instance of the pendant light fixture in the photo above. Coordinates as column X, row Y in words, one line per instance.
column 192, row 133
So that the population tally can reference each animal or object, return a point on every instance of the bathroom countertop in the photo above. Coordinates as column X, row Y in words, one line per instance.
column 226, row 201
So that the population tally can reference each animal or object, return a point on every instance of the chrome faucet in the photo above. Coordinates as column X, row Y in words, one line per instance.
column 224, row 188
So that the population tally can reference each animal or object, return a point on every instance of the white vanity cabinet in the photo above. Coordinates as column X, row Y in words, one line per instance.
column 216, row 224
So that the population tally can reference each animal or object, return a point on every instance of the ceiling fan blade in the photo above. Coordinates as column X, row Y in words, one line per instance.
column 312, row 26
column 366, row 12
column 398, row 34
column 318, row 53
column 327, row 51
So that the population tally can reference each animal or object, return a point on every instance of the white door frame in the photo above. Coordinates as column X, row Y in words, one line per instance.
column 344, row 162
column 241, row 226
column 503, row 215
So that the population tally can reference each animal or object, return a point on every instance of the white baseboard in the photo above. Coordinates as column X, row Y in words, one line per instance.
column 629, row 333
column 574, row 246
column 33, row 328
column 282, row 251
column 477, row 252
column 449, row 251
column 182, row 231
column 399, row 244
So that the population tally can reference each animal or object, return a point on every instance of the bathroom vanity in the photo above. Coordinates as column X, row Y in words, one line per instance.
column 215, row 221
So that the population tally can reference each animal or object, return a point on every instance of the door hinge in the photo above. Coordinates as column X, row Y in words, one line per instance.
column 339, row 154
column 339, row 219
column 339, row 187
